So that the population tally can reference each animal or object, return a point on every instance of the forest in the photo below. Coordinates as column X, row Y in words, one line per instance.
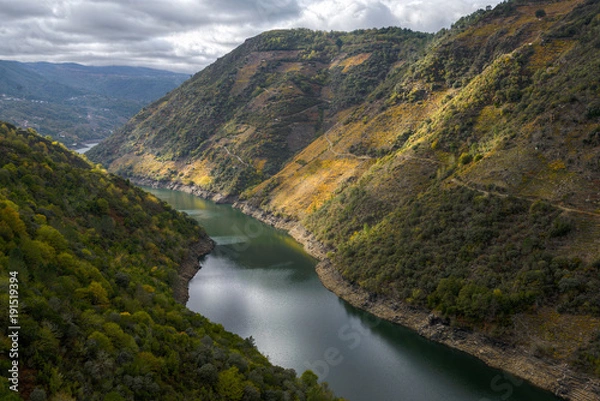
column 92, row 262
column 454, row 172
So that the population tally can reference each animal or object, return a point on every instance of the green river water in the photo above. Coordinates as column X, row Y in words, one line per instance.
column 259, row 282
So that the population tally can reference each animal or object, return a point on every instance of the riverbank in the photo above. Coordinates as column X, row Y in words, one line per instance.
column 517, row 361
column 189, row 267
column 551, row 376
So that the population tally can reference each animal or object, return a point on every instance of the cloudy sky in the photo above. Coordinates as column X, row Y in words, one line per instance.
column 187, row 35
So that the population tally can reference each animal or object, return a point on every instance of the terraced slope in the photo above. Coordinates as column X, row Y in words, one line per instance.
column 240, row 120
column 462, row 181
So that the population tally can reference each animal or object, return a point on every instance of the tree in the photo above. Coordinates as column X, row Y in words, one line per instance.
column 231, row 384
column 540, row 13
column 52, row 237
column 208, row 374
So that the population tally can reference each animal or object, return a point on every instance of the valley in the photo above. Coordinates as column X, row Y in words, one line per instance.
column 452, row 174
column 445, row 185
column 74, row 103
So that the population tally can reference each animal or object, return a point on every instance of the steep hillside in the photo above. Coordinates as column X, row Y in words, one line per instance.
column 72, row 102
column 241, row 119
column 89, row 265
column 463, row 181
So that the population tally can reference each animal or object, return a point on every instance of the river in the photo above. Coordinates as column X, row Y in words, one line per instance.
column 86, row 147
column 259, row 282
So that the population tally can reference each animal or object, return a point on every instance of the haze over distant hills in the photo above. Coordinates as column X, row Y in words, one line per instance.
column 455, row 174
column 73, row 102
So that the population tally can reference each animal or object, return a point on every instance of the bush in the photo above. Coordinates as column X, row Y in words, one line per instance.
column 561, row 226
column 465, row 158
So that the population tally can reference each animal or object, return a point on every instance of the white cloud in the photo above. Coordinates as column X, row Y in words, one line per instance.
column 346, row 15
column 187, row 35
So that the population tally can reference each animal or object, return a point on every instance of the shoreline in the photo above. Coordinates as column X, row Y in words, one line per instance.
column 551, row 376
column 189, row 267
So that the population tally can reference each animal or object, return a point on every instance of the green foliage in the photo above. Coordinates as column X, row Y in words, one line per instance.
column 73, row 102
column 274, row 83
column 476, row 259
column 98, row 319
column 588, row 357
column 465, row 158
column 230, row 384
column 509, row 106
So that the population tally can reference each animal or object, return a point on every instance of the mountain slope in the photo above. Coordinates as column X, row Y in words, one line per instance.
column 133, row 83
column 463, row 181
column 91, row 262
column 241, row 119
column 72, row 102
column 18, row 81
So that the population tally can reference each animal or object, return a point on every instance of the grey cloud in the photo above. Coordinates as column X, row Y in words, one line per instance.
column 138, row 20
column 373, row 15
column 347, row 15
column 191, row 13
column 269, row 10
column 23, row 9
column 432, row 15
column 106, row 22
column 186, row 35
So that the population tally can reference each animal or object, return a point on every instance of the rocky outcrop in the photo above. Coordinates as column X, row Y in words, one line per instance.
column 189, row 267
column 190, row 189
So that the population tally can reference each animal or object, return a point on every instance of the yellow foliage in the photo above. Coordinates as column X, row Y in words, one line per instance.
column 148, row 362
column 260, row 164
column 10, row 216
column 548, row 53
column 148, row 288
column 349, row 62
column 95, row 293
column 231, row 384
column 557, row 165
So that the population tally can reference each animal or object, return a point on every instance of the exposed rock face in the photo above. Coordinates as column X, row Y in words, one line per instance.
column 190, row 267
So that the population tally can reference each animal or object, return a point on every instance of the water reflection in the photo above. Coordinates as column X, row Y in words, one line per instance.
column 258, row 282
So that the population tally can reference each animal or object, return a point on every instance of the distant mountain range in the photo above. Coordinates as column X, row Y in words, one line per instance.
column 73, row 102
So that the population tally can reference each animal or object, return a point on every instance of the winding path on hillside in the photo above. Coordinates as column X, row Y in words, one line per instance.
column 342, row 154
column 495, row 193
column 556, row 205
column 236, row 156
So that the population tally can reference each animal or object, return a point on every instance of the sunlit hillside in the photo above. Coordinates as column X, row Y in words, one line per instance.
column 456, row 173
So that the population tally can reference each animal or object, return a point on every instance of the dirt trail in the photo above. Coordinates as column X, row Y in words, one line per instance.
column 342, row 154
column 487, row 193
column 236, row 156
